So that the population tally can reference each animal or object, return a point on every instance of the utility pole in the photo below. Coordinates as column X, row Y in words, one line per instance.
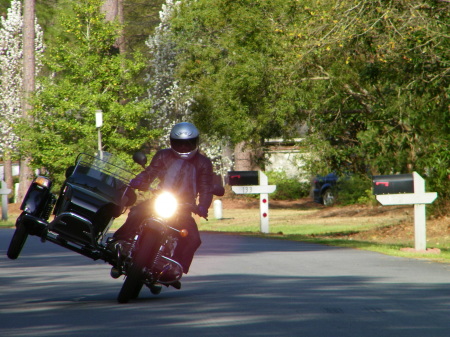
column 26, row 174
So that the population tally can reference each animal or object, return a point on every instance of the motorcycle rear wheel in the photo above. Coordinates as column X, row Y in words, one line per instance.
column 133, row 282
column 18, row 241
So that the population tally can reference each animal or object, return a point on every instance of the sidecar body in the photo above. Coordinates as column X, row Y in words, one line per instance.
column 94, row 193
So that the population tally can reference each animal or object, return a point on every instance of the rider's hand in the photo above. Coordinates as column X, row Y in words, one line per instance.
column 137, row 183
column 202, row 211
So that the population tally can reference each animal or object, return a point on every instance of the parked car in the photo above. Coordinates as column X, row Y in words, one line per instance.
column 324, row 189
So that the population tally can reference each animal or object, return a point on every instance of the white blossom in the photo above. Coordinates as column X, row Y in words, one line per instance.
column 11, row 70
column 170, row 103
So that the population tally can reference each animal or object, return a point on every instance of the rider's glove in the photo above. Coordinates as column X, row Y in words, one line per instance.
column 138, row 183
column 202, row 211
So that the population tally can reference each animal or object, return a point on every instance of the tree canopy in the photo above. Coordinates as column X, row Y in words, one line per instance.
column 369, row 78
column 231, row 55
column 85, row 73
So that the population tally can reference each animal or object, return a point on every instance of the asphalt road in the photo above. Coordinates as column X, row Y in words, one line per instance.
column 238, row 286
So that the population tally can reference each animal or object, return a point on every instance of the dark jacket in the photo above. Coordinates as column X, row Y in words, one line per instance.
column 194, row 176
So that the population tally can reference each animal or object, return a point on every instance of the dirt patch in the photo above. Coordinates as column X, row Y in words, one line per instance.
column 244, row 202
column 402, row 231
column 14, row 209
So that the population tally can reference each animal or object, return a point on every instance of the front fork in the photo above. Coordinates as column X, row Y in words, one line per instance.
column 126, row 252
column 166, row 246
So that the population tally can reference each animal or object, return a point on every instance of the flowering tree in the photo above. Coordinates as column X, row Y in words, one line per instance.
column 11, row 73
column 172, row 102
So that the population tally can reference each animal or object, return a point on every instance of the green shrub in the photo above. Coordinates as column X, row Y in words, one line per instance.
column 287, row 188
column 355, row 190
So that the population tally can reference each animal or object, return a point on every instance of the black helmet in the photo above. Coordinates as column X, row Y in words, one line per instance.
column 184, row 139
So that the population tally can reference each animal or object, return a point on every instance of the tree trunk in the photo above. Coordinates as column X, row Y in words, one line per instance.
column 28, row 85
column 243, row 158
column 113, row 10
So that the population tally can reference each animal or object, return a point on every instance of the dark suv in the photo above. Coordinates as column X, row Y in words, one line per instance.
column 324, row 189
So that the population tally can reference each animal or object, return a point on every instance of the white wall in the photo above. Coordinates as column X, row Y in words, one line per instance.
column 15, row 171
column 288, row 161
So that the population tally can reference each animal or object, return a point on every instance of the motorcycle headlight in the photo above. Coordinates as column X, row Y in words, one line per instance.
column 165, row 205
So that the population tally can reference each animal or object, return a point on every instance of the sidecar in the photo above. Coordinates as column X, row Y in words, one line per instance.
column 94, row 193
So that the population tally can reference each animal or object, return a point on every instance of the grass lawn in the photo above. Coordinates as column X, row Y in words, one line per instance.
column 385, row 229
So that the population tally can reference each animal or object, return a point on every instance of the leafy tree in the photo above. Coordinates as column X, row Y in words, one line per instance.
column 371, row 78
column 85, row 73
column 141, row 18
column 4, row 5
column 384, row 107
column 231, row 56
column 171, row 102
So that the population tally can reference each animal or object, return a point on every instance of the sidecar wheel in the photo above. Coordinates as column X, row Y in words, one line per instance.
column 17, row 242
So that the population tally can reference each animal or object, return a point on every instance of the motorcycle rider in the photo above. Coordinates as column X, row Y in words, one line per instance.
column 180, row 166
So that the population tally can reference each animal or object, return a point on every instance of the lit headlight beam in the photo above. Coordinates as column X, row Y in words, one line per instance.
column 166, row 205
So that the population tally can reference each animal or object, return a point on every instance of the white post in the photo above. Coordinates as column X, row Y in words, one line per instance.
column 420, row 231
column 218, row 209
column 264, row 205
column 420, row 228
column 98, row 124
column 4, row 191
column 263, row 189
column 419, row 199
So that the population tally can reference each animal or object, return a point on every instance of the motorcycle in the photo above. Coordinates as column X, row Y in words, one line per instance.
column 94, row 194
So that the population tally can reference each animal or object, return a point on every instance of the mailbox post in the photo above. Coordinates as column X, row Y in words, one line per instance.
column 406, row 189
column 4, row 191
column 254, row 182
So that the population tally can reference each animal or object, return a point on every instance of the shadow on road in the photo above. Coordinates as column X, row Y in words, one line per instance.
column 52, row 292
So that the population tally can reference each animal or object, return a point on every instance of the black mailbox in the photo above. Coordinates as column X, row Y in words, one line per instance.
column 243, row 178
column 393, row 184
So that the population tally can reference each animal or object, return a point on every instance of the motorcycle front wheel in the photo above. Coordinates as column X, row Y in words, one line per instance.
column 132, row 285
column 18, row 241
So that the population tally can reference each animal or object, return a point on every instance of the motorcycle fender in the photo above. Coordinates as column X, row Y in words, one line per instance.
column 35, row 199
column 155, row 225
column 34, row 225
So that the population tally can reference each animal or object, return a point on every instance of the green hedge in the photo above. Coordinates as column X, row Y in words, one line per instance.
column 355, row 190
column 287, row 188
